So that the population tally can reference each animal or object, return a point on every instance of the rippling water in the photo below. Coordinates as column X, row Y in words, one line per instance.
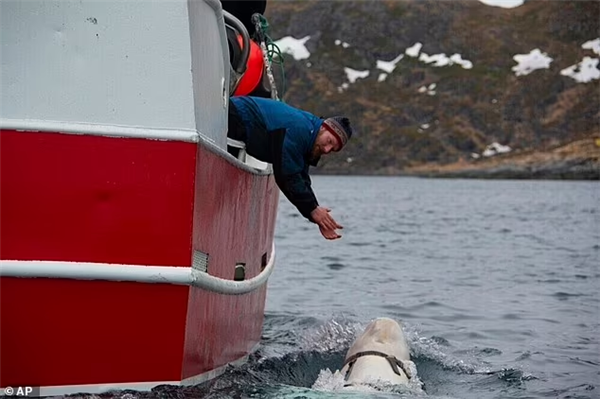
column 495, row 282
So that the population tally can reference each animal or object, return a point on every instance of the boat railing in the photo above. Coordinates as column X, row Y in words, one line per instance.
column 236, row 72
column 175, row 275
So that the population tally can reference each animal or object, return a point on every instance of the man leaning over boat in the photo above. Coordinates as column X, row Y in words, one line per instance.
column 291, row 140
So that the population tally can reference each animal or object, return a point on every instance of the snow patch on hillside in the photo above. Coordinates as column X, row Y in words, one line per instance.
column 528, row 63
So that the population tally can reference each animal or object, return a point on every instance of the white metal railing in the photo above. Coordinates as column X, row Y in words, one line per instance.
column 135, row 273
column 244, row 157
column 78, row 128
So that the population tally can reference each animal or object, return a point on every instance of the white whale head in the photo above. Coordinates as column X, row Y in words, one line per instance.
column 379, row 354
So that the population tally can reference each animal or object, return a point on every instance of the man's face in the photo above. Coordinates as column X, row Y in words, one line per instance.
column 325, row 143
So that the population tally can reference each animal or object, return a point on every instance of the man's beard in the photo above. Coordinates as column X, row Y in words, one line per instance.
column 315, row 155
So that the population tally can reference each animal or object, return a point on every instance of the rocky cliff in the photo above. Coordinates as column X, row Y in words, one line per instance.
column 448, row 87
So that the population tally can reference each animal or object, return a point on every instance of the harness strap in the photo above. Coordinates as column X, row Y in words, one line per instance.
column 394, row 363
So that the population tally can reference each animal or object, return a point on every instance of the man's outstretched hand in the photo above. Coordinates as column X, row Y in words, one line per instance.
column 327, row 224
column 329, row 234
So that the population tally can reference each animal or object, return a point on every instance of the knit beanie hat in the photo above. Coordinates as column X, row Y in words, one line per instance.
column 340, row 127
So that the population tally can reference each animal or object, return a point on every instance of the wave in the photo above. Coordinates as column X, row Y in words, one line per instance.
column 299, row 357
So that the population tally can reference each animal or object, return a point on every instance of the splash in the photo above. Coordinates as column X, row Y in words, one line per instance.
column 333, row 336
column 337, row 335
column 329, row 381
column 430, row 348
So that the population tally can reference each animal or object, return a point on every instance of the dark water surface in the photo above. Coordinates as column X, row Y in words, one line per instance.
column 495, row 282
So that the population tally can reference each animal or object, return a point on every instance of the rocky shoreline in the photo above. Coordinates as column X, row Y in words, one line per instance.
column 579, row 160
column 563, row 170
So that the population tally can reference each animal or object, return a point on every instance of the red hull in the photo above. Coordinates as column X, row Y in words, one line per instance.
column 132, row 201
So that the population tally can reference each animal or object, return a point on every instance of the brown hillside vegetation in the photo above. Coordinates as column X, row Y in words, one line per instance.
column 401, row 129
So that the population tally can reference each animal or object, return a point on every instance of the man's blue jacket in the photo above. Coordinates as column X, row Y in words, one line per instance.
column 283, row 136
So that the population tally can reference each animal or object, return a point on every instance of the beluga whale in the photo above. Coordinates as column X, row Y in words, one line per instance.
column 379, row 356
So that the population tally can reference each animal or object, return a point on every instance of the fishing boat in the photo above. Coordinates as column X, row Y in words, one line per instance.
column 134, row 249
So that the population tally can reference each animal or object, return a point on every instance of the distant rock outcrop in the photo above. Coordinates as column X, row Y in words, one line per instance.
column 447, row 84
column 577, row 160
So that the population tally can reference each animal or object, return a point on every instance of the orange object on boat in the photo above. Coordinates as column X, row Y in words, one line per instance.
column 254, row 70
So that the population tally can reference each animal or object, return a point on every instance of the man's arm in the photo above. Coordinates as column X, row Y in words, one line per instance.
column 290, row 172
column 294, row 187
column 291, row 175
column 303, row 198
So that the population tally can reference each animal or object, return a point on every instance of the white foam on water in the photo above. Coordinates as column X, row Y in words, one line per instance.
column 334, row 335
column 429, row 348
column 329, row 381
column 333, row 381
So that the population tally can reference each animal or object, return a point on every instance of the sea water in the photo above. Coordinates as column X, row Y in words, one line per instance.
column 496, row 282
